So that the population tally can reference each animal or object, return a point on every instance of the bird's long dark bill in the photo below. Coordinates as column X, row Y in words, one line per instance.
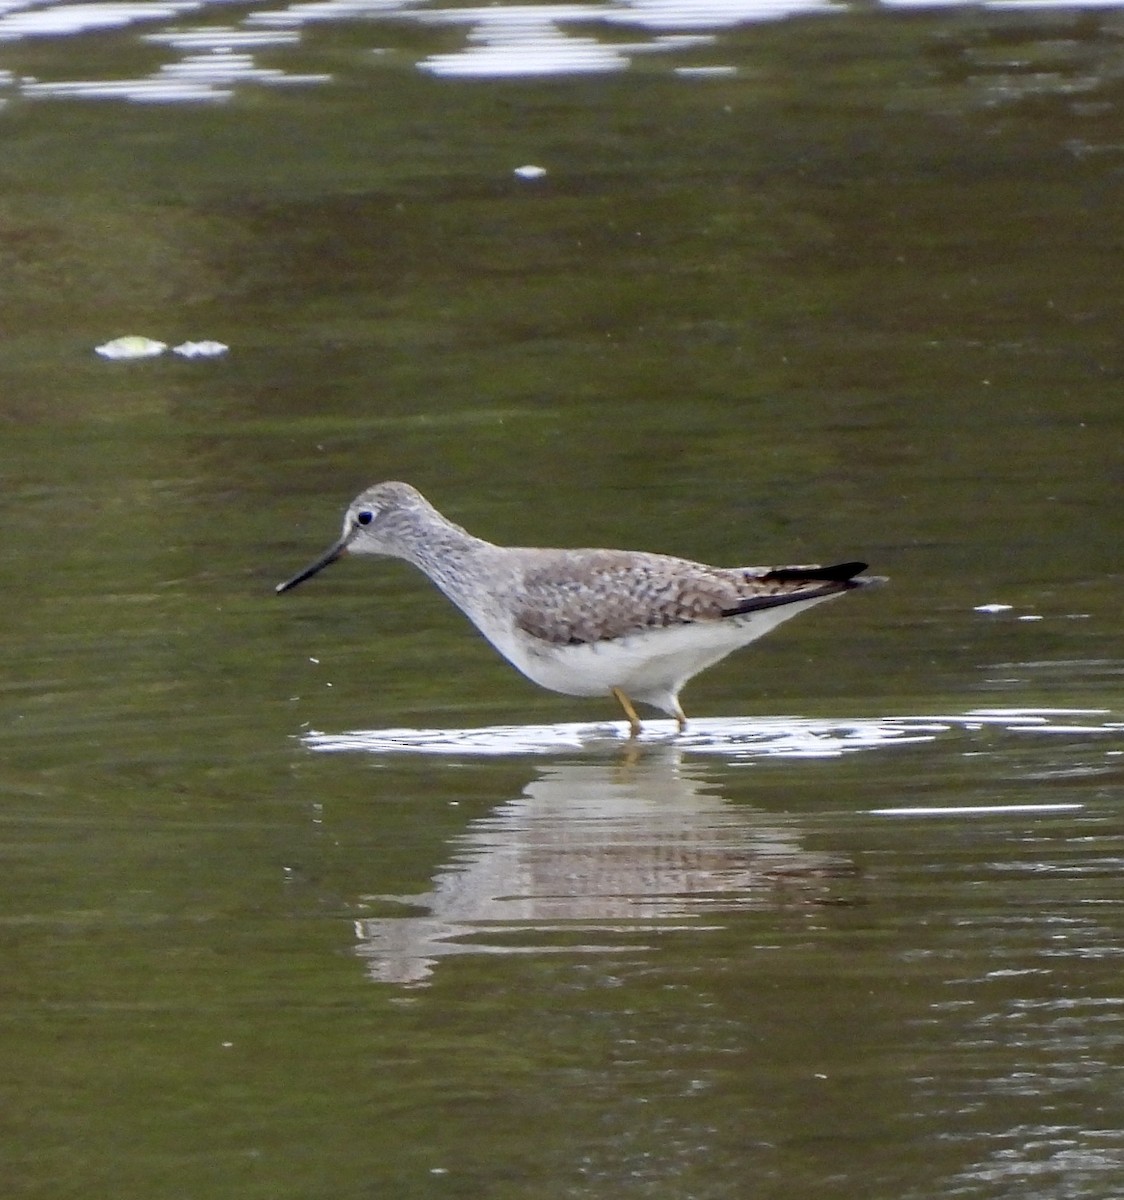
column 325, row 560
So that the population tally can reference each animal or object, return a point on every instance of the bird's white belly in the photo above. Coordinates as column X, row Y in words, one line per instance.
column 646, row 665
column 650, row 666
column 638, row 664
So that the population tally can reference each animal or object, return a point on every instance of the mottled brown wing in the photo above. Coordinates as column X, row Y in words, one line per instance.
column 578, row 596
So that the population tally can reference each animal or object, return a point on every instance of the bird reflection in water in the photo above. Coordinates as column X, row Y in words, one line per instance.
column 594, row 857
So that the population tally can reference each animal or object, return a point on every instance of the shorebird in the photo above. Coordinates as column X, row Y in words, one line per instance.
column 634, row 625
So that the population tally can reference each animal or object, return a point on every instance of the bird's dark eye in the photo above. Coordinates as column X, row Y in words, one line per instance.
column 365, row 517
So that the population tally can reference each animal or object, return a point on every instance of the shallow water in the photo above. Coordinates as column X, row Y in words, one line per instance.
column 634, row 836
column 313, row 895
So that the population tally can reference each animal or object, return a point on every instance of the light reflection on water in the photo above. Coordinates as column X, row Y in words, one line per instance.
column 733, row 738
column 502, row 40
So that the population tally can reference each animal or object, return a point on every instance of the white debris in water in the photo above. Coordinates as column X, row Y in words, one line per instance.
column 131, row 347
column 993, row 608
column 200, row 349
column 134, row 346
column 1030, row 617
column 530, row 171
column 705, row 72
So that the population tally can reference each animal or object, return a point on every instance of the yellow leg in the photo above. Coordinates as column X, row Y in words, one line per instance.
column 629, row 711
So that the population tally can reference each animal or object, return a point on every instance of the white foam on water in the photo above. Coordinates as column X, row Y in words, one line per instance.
column 737, row 738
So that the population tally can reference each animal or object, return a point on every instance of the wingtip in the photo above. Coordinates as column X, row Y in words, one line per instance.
column 836, row 573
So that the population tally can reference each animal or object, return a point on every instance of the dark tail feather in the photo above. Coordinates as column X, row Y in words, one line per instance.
column 832, row 581
column 839, row 573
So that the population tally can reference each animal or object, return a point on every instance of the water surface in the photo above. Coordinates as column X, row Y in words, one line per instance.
column 312, row 895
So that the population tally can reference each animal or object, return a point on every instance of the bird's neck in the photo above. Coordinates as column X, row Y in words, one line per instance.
column 447, row 553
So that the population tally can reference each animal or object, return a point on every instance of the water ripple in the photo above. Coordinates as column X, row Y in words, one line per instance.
column 737, row 738
column 500, row 41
